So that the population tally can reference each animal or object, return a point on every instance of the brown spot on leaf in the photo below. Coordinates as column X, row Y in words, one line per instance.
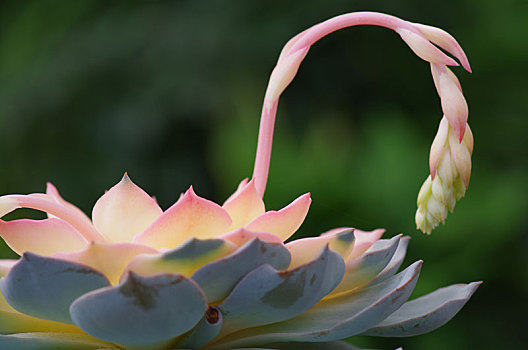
column 143, row 296
column 287, row 292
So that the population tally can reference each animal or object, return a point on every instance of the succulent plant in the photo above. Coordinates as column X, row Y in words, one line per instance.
column 201, row 275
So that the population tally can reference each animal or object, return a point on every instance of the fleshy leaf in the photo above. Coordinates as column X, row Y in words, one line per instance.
column 52, row 341
column 185, row 259
column 141, row 310
column 205, row 331
column 306, row 249
column 219, row 277
column 191, row 216
column 11, row 321
column 44, row 237
column 45, row 287
column 364, row 240
column 335, row 318
column 244, row 206
column 124, row 211
column 53, row 193
column 285, row 222
column 241, row 236
column 6, row 265
column 110, row 259
column 45, row 203
column 277, row 296
column 395, row 262
column 14, row 322
column 364, row 268
column 426, row 313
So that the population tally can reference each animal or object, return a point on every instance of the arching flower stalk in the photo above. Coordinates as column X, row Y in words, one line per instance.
column 201, row 275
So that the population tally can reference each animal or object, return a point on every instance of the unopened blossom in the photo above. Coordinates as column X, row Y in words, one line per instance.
column 200, row 275
column 450, row 164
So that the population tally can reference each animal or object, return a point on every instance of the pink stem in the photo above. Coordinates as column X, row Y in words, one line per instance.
column 302, row 41
column 322, row 29
column 265, row 141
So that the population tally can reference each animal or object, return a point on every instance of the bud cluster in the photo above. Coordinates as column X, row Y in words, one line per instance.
column 450, row 162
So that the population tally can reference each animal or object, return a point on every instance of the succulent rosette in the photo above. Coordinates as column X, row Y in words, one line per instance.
column 204, row 275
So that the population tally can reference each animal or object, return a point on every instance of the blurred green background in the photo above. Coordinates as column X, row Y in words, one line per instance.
column 171, row 92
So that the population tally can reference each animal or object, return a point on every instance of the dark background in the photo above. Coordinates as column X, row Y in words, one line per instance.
column 171, row 92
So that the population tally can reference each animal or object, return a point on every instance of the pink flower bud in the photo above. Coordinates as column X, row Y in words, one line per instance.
column 454, row 104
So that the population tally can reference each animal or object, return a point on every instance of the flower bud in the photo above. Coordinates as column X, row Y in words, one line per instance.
column 450, row 165
column 453, row 102
column 423, row 48
column 446, row 41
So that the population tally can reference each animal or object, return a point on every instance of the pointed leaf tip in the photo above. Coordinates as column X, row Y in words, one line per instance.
column 190, row 216
column 219, row 277
column 306, row 249
column 446, row 41
column 283, row 223
column 124, row 211
column 423, row 48
column 426, row 313
column 244, row 205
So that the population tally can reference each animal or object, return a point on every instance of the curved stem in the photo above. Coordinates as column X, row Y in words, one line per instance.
column 294, row 52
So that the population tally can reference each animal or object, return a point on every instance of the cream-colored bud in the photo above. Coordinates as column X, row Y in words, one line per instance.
column 438, row 145
column 436, row 208
column 439, row 189
column 462, row 158
column 421, row 221
column 446, row 169
column 453, row 159
column 468, row 139
column 459, row 188
column 451, row 200
column 425, row 190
